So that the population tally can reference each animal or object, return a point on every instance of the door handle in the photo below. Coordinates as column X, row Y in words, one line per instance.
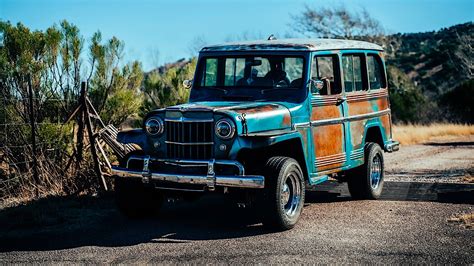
column 340, row 100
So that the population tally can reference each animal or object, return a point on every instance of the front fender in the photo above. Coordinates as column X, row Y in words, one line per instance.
column 134, row 136
column 261, row 142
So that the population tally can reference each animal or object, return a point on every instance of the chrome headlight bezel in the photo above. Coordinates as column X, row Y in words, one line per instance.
column 154, row 126
column 225, row 122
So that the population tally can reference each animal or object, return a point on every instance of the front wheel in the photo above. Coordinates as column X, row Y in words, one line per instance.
column 284, row 193
column 366, row 181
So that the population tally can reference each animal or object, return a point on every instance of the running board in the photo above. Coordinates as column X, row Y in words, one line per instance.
column 318, row 179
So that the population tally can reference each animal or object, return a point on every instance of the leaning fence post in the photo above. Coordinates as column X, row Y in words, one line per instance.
column 92, row 141
column 33, row 136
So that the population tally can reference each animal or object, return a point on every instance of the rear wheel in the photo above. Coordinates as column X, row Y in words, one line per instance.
column 366, row 181
column 284, row 193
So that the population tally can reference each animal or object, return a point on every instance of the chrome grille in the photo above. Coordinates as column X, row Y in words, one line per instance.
column 189, row 139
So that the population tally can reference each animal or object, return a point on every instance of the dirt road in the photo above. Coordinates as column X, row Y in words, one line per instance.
column 439, row 161
column 409, row 224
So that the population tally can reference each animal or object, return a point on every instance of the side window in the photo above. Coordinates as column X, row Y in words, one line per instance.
column 353, row 72
column 210, row 73
column 326, row 68
column 348, row 73
column 375, row 72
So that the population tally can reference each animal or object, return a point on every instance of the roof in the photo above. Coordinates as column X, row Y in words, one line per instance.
column 294, row 45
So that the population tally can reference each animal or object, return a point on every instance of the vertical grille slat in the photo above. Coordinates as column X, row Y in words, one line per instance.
column 189, row 139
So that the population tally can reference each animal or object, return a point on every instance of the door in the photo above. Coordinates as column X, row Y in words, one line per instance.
column 367, row 98
column 327, row 114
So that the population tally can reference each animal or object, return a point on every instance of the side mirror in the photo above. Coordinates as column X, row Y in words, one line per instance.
column 188, row 83
column 316, row 85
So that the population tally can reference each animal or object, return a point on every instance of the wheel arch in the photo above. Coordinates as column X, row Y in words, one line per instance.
column 289, row 146
column 373, row 133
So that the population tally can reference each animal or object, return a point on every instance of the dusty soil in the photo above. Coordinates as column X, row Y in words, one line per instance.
column 437, row 161
column 413, row 222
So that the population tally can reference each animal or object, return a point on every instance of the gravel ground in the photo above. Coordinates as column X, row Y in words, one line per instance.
column 330, row 231
column 408, row 225
column 448, row 161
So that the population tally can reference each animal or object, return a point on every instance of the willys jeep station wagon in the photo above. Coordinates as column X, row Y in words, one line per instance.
column 265, row 120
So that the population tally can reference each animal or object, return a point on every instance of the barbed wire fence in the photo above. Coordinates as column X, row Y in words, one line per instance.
column 43, row 144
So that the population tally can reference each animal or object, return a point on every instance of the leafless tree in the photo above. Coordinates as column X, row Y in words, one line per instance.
column 196, row 44
column 337, row 22
column 246, row 36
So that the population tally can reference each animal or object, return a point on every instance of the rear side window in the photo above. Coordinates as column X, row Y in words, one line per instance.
column 375, row 72
column 352, row 66
column 327, row 68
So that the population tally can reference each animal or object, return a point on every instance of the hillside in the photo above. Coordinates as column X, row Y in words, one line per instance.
column 436, row 61
column 429, row 74
column 437, row 67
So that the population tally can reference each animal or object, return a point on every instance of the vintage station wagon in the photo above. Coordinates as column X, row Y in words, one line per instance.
column 265, row 120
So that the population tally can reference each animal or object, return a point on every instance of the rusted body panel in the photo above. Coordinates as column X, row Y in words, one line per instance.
column 365, row 103
column 328, row 139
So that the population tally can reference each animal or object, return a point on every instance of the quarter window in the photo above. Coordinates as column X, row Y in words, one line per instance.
column 375, row 71
column 353, row 72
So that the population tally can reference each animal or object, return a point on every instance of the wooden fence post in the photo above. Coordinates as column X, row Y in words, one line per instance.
column 33, row 136
column 92, row 141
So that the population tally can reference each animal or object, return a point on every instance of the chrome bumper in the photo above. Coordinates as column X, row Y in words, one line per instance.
column 392, row 146
column 211, row 180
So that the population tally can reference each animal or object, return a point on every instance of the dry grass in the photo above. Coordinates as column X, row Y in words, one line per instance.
column 468, row 178
column 466, row 220
column 415, row 134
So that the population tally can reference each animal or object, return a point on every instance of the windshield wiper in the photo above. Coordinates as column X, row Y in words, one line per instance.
column 216, row 88
column 237, row 97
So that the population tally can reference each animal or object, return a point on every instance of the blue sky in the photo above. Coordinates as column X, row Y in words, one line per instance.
column 170, row 27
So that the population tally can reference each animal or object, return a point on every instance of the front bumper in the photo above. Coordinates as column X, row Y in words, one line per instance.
column 392, row 146
column 173, row 180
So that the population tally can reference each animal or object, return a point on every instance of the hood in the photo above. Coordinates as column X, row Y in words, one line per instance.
column 250, row 117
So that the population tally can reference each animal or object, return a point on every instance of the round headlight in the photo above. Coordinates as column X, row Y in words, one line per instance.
column 225, row 129
column 154, row 126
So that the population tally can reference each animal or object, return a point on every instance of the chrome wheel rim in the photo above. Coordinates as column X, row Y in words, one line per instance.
column 376, row 171
column 290, row 195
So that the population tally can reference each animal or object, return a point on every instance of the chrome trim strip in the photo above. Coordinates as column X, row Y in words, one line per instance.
column 188, row 120
column 301, row 125
column 339, row 158
column 357, row 154
column 355, row 97
column 340, row 120
column 189, row 143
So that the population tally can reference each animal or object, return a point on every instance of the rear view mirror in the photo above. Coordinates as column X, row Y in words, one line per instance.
column 316, row 85
column 188, row 83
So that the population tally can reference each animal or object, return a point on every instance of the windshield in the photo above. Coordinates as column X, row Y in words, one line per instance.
column 262, row 77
